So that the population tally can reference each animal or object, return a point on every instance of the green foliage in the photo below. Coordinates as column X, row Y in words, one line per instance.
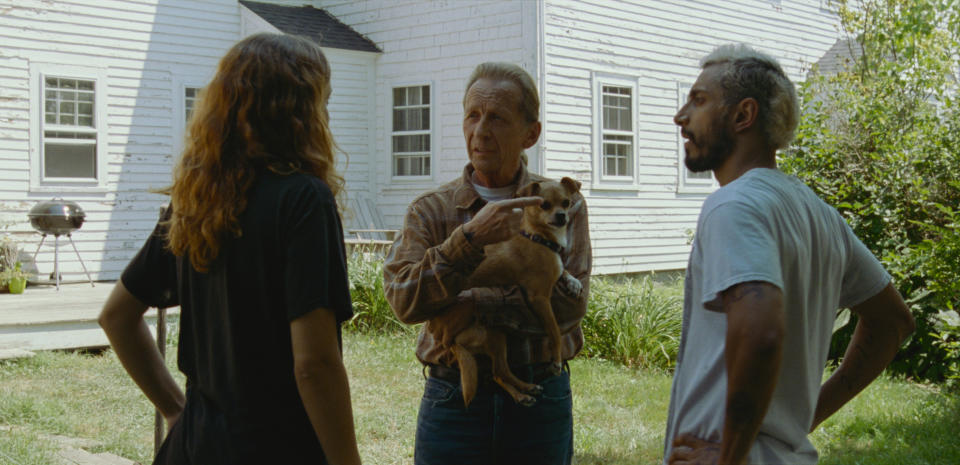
column 879, row 140
column 633, row 321
column 11, row 274
column 372, row 312
column 947, row 336
column 9, row 252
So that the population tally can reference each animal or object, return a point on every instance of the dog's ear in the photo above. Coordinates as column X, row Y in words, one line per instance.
column 529, row 190
column 571, row 184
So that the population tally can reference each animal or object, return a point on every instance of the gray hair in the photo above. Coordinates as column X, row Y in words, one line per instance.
column 500, row 71
column 748, row 73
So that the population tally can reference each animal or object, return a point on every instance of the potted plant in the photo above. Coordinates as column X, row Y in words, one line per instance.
column 15, row 278
column 12, row 275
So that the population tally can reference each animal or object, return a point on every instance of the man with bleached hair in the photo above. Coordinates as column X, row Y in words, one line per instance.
column 770, row 265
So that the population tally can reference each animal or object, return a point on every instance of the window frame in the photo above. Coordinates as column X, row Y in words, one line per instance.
column 600, row 179
column 431, row 132
column 686, row 183
column 179, row 90
column 39, row 72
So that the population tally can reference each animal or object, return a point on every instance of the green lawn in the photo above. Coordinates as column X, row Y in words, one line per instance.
column 619, row 412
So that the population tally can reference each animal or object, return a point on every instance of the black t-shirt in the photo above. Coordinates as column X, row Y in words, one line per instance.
column 235, row 346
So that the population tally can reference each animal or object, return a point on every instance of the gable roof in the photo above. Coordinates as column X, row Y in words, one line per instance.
column 840, row 56
column 314, row 23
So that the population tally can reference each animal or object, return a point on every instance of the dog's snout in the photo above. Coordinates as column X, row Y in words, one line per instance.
column 560, row 218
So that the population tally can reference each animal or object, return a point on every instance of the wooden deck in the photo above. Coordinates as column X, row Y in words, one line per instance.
column 43, row 318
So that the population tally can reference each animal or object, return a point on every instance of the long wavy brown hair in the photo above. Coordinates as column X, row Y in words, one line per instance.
column 265, row 109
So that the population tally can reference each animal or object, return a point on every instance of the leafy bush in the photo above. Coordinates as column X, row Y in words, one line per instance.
column 372, row 312
column 633, row 321
column 879, row 140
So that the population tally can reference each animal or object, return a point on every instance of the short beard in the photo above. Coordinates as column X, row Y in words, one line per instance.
column 719, row 146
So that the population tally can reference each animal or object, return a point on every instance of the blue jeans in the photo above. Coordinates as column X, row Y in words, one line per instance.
column 494, row 429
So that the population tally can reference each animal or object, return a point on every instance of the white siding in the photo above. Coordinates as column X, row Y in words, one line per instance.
column 152, row 48
column 659, row 44
column 351, row 111
column 437, row 43
column 146, row 48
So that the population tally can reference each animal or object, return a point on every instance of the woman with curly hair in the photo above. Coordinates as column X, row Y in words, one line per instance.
column 251, row 249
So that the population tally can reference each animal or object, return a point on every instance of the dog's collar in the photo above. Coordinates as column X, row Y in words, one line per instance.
column 543, row 241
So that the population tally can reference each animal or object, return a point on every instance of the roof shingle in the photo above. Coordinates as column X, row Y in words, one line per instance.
column 314, row 23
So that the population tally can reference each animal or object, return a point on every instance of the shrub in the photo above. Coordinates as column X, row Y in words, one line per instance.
column 879, row 141
column 372, row 312
column 633, row 321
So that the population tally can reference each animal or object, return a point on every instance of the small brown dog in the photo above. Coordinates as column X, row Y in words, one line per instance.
column 531, row 260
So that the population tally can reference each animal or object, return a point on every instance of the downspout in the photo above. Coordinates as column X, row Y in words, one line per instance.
column 542, row 81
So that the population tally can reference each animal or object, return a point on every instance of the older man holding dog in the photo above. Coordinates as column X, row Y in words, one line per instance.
column 425, row 275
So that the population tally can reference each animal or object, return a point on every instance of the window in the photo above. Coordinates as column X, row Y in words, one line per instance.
column 410, row 144
column 68, row 144
column 688, row 180
column 184, row 92
column 189, row 100
column 69, row 130
column 615, row 132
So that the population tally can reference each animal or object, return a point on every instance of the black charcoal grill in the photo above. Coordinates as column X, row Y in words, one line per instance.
column 60, row 218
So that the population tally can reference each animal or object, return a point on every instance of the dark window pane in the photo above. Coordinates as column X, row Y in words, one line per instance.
column 399, row 120
column 70, row 161
column 399, row 97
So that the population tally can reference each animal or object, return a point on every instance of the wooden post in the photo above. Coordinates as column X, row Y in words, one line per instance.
column 162, row 345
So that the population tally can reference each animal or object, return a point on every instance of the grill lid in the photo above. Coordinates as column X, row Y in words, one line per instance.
column 56, row 216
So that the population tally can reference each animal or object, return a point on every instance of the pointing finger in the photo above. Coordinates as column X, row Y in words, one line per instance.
column 520, row 202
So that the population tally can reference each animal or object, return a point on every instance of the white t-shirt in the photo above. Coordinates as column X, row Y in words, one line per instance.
column 493, row 194
column 767, row 226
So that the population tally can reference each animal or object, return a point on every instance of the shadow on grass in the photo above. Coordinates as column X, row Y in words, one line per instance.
column 927, row 435
column 605, row 459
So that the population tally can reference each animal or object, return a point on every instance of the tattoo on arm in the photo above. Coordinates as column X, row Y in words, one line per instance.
column 756, row 289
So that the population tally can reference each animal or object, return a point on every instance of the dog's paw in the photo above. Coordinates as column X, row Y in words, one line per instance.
column 534, row 390
column 571, row 286
column 526, row 401
column 556, row 368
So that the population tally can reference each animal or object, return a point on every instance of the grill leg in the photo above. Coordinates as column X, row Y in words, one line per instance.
column 42, row 238
column 81, row 260
column 56, row 262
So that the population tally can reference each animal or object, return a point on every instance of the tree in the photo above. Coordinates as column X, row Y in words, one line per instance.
column 879, row 140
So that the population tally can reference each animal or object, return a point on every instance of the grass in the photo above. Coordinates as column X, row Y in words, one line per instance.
column 619, row 412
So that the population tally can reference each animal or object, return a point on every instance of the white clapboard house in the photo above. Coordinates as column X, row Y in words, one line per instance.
column 94, row 95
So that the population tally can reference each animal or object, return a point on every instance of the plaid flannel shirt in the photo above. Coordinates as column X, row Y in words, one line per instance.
column 428, row 266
